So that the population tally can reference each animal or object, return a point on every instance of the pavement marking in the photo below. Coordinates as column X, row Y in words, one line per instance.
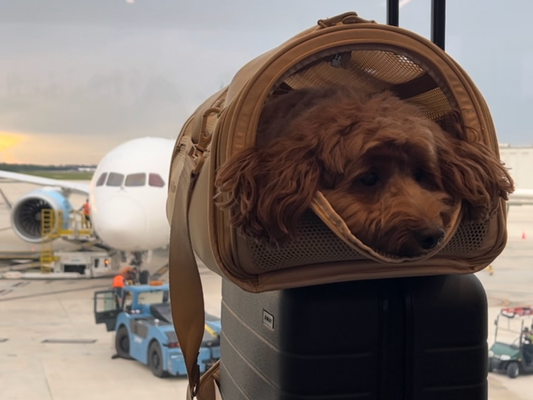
column 157, row 274
column 499, row 302
column 29, row 296
column 70, row 341
column 22, row 283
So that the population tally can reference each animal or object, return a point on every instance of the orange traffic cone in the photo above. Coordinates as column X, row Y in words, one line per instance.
column 523, row 234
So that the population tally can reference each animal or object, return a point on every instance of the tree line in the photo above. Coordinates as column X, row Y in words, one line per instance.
column 36, row 167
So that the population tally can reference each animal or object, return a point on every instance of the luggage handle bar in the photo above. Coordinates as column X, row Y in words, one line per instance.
column 438, row 19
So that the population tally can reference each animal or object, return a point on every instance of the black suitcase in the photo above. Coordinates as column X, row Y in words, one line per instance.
column 395, row 339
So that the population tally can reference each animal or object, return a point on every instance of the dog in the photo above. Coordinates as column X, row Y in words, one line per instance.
column 393, row 175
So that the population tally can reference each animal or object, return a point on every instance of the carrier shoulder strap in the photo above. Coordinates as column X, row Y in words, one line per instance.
column 187, row 302
column 209, row 389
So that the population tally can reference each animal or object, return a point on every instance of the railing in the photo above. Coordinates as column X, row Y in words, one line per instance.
column 53, row 226
column 48, row 224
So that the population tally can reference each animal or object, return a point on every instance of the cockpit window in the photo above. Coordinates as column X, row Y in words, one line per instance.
column 136, row 179
column 114, row 179
column 156, row 180
column 101, row 179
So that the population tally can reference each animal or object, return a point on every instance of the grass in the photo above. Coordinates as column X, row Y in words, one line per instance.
column 66, row 175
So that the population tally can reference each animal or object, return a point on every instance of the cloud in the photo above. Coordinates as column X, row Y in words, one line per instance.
column 56, row 149
column 199, row 15
column 10, row 145
column 141, row 81
column 102, row 70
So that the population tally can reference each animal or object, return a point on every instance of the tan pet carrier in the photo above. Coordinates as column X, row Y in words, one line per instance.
column 343, row 50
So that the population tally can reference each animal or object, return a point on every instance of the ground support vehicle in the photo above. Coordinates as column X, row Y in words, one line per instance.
column 505, row 356
column 511, row 312
column 141, row 319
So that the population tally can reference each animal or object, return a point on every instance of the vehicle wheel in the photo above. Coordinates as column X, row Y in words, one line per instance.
column 144, row 277
column 122, row 343
column 491, row 367
column 155, row 360
column 513, row 370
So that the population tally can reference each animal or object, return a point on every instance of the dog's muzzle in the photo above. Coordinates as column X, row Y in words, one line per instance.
column 429, row 238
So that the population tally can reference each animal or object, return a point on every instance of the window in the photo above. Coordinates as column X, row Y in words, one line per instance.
column 156, row 180
column 115, row 179
column 138, row 179
column 101, row 179
column 158, row 296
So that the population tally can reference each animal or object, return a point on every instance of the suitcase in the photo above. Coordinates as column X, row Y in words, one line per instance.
column 419, row 338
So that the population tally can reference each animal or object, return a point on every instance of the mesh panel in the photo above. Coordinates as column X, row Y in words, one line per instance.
column 316, row 243
column 468, row 238
column 375, row 71
column 368, row 70
column 386, row 66
column 433, row 104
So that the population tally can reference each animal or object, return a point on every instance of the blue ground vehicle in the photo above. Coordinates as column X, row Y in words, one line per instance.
column 142, row 321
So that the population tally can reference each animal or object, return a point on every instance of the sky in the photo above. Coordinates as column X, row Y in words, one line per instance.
column 77, row 78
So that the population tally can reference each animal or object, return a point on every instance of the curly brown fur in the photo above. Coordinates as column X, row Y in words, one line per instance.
column 393, row 175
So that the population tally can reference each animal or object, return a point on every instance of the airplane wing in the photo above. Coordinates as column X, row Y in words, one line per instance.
column 81, row 188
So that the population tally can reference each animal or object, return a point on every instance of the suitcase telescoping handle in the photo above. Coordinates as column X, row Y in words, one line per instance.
column 438, row 22
column 438, row 19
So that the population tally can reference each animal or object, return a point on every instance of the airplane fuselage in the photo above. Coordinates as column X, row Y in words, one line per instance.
column 128, row 195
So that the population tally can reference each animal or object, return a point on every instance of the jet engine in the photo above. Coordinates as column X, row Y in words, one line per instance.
column 26, row 214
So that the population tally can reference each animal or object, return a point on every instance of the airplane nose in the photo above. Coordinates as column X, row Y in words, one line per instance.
column 120, row 222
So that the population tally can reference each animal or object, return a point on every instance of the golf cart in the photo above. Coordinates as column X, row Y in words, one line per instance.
column 509, row 357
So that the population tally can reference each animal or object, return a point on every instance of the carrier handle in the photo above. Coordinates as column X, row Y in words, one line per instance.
column 349, row 17
column 205, row 138
column 198, row 150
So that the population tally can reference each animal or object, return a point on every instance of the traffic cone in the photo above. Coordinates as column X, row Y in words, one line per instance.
column 523, row 234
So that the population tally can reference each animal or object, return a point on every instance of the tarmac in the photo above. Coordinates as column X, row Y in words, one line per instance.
column 51, row 348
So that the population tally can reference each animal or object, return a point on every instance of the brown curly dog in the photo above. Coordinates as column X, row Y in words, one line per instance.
column 392, row 174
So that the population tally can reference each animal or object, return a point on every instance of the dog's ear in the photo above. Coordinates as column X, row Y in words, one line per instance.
column 472, row 173
column 269, row 189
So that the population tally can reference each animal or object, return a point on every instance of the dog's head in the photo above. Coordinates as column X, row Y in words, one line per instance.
column 393, row 175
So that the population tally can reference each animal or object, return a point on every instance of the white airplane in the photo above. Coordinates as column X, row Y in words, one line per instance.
column 127, row 195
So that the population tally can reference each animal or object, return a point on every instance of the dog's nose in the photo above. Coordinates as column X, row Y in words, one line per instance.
column 429, row 238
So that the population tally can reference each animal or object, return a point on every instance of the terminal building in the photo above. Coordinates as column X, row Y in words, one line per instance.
column 519, row 159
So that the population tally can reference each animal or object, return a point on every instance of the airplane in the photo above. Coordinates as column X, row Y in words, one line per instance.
column 127, row 197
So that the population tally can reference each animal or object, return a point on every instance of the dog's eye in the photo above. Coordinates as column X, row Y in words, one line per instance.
column 369, row 179
column 419, row 174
